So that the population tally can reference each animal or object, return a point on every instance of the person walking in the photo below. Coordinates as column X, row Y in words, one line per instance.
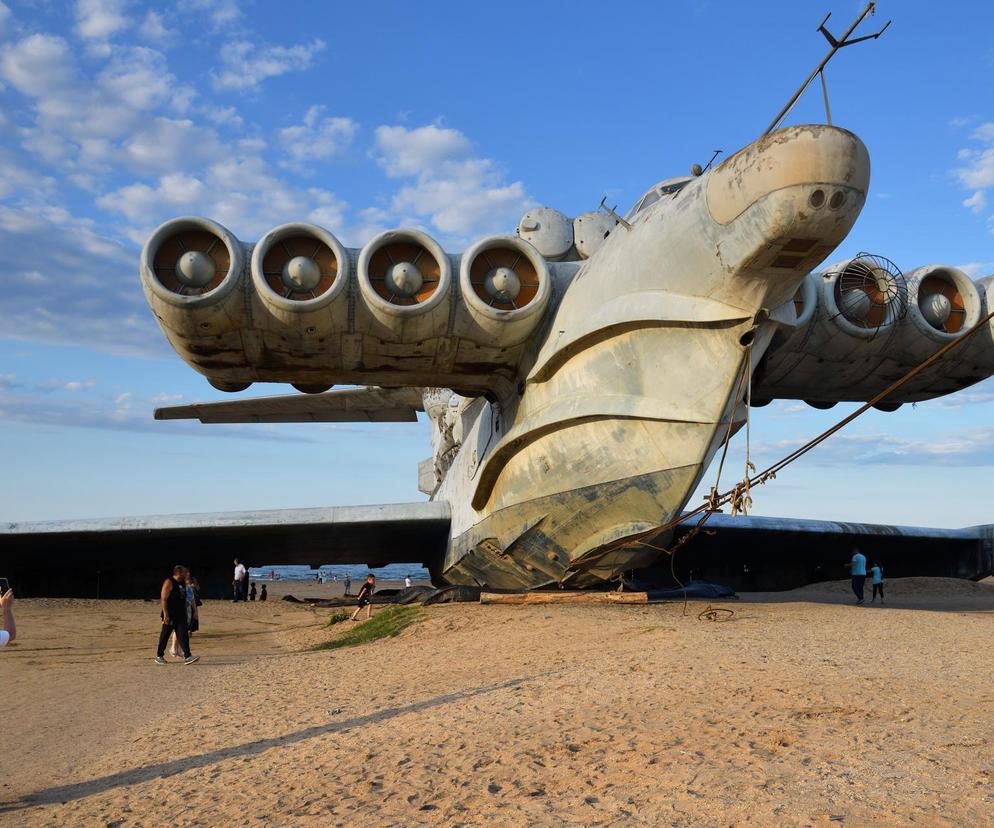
column 9, row 631
column 857, row 567
column 366, row 597
column 172, row 599
column 407, row 582
column 877, row 576
column 348, row 583
column 192, row 617
column 236, row 583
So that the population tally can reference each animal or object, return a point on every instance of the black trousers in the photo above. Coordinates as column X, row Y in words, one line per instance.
column 878, row 589
column 182, row 636
column 236, row 589
column 858, row 582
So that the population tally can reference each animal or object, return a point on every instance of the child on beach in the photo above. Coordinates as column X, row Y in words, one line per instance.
column 263, row 596
column 877, row 573
column 366, row 597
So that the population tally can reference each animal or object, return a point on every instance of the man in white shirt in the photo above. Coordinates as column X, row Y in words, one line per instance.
column 9, row 631
column 407, row 582
column 238, row 585
column 858, row 568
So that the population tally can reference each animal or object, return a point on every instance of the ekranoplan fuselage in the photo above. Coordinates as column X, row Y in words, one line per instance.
column 580, row 375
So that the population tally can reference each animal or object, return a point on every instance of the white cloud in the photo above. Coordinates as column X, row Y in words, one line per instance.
column 246, row 65
column 97, row 303
column 98, row 20
column 406, row 152
column 240, row 192
column 977, row 269
column 976, row 202
column 461, row 195
column 140, row 78
column 101, row 121
column 39, row 65
column 318, row 137
column 977, row 173
column 4, row 13
column 984, row 132
column 153, row 28
column 53, row 384
column 222, row 13
column 966, row 448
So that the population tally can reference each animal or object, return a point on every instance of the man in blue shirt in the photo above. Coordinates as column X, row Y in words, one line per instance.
column 858, row 567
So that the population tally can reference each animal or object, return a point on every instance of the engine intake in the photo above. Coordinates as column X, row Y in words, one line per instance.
column 506, row 287
column 946, row 301
column 865, row 294
column 404, row 275
column 189, row 260
column 299, row 267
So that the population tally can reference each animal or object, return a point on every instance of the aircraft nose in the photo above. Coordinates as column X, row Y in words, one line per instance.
column 817, row 172
column 786, row 201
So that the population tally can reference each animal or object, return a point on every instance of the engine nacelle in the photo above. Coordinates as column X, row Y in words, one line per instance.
column 505, row 286
column 868, row 326
column 191, row 271
column 864, row 295
column 405, row 280
column 301, row 273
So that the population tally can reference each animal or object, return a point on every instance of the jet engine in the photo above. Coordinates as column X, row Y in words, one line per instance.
column 865, row 294
column 405, row 280
column 191, row 269
column 300, row 273
column 870, row 326
column 505, row 287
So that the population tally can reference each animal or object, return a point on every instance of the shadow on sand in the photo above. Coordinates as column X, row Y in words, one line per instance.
column 66, row 793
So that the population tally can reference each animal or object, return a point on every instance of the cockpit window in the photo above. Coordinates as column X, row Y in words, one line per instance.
column 648, row 199
column 664, row 188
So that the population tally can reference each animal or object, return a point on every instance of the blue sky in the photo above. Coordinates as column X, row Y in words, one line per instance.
column 453, row 117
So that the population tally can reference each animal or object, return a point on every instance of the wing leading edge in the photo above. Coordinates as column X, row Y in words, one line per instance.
column 128, row 557
column 351, row 405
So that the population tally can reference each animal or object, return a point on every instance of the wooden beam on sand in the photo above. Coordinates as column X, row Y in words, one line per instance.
column 564, row 597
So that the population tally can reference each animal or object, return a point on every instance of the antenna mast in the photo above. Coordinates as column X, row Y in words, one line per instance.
column 820, row 68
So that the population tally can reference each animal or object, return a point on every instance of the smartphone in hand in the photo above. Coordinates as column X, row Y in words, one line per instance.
column 4, row 586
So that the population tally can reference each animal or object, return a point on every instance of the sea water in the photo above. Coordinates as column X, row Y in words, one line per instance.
column 390, row 572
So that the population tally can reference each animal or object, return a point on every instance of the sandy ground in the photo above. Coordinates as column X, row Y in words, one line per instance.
column 801, row 710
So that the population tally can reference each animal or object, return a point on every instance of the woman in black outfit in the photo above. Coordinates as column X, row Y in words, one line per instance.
column 366, row 597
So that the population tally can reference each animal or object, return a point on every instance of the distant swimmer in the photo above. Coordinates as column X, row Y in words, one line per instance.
column 858, row 568
column 9, row 631
column 366, row 597
column 252, row 592
column 172, row 599
column 877, row 576
column 262, row 595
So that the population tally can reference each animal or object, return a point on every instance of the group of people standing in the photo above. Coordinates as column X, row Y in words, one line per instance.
column 857, row 567
column 179, row 610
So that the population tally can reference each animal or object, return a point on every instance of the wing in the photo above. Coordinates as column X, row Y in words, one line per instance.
column 861, row 325
column 353, row 405
column 762, row 553
column 129, row 556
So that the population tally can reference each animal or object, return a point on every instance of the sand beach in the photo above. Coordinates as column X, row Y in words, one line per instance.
column 801, row 710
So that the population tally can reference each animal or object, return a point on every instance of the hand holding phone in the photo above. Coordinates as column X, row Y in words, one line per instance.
column 4, row 586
